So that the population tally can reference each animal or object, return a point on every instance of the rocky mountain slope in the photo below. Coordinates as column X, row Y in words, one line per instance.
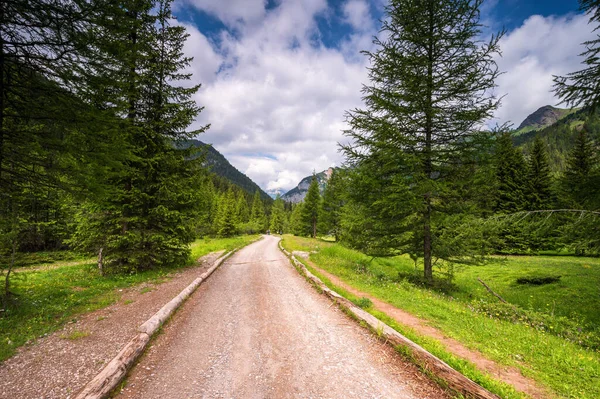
column 543, row 117
column 298, row 193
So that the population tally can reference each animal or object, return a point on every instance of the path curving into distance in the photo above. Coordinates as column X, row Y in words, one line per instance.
column 257, row 329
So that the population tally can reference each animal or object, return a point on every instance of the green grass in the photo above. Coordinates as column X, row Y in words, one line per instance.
column 48, row 298
column 566, row 368
column 75, row 335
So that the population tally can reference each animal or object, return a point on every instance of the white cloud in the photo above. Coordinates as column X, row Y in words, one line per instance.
column 357, row 14
column 277, row 109
column 232, row 12
column 531, row 54
column 275, row 96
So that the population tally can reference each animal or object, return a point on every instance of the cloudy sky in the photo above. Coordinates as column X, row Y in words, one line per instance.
column 278, row 75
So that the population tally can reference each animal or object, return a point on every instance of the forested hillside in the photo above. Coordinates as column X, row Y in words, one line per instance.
column 219, row 165
column 560, row 137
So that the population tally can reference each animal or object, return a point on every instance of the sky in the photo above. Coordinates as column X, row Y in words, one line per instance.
column 278, row 75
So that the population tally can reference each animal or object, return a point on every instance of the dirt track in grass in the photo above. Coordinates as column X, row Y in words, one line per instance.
column 509, row 375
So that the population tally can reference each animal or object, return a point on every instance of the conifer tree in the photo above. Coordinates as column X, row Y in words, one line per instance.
column 333, row 201
column 511, row 174
column 431, row 80
column 580, row 182
column 243, row 212
column 297, row 226
column 278, row 216
column 258, row 219
column 539, row 183
column 311, row 208
column 582, row 88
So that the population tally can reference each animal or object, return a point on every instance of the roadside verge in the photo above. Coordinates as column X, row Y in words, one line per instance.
column 427, row 361
column 108, row 379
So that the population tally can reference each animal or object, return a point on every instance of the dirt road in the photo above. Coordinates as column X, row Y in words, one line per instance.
column 257, row 329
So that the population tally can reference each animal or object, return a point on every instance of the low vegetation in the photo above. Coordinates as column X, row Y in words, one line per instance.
column 548, row 331
column 47, row 298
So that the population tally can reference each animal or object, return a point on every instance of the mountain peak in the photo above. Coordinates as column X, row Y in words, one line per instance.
column 545, row 116
column 298, row 193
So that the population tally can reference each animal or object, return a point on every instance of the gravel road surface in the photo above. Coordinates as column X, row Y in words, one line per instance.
column 257, row 329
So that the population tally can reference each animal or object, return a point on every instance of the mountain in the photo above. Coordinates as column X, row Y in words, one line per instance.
column 220, row 166
column 560, row 135
column 298, row 193
column 543, row 117
column 275, row 192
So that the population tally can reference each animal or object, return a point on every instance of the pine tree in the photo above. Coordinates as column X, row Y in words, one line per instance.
column 258, row 219
column 154, row 199
column 511, row 173
column 311, row 208
column 278, row 217
column 430, row 82
column 582, row 88
column 297, row 226
column 539, row 183
column 579, row 180
column 333, row 201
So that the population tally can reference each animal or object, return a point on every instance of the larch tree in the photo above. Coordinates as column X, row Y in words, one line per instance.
column 431, row 83
column 582, row 88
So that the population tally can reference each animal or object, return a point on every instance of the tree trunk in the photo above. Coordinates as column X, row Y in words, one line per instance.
column 427, row 161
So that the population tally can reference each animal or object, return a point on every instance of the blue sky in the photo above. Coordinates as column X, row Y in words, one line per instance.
column 278, row 75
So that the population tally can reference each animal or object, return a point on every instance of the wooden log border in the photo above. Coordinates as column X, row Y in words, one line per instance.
column 427, row 361
column 114, row 372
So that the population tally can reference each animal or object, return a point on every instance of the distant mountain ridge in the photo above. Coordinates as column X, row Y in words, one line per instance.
column 220, row 166
column 298, row 193
column 543, row 117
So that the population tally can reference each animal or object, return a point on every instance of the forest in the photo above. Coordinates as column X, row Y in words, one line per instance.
column 98, row 161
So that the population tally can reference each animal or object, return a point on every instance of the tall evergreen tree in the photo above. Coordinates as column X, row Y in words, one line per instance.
column 258, row 219
column 580, row 183
column 582, row 88
column 311, row 208
column 154, row 199
column 278, row 216
column 333, row 201
column 511, row 174
column 431, row 79
column 539, row 183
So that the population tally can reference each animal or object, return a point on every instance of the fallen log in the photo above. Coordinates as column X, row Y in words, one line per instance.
column 101, row 386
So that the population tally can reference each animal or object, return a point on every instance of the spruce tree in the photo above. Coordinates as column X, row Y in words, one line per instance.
column 154, row 199
column 511, row 174
column 539, row 181
column 431, row 79
column 258, row 219
column 579, row 183
column 333, row 201
column 311, row 208
column 277, row 224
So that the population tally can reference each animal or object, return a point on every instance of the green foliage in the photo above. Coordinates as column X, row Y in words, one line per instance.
column 539, row 192
column 333, row 202
column 416, row 147
column 258, row 218
column 580, row 183
column 581, row 87
column 310, row 209
column 278, row 222
column 511, row 172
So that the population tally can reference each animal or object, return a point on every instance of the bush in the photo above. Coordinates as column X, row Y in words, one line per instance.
column 538, row 280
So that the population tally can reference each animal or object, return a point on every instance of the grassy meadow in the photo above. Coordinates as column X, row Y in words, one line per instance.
column 49, row 296
column 549, row 331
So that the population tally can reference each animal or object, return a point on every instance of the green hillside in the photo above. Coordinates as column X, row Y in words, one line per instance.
column 560, row 136
column 220, row 166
